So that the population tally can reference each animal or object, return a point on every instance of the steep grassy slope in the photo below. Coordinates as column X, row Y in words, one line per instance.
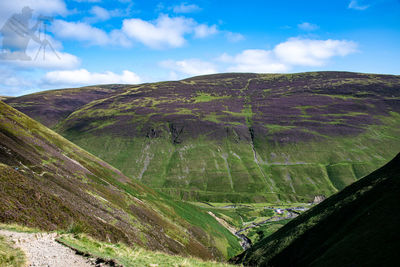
column 49, row 183
column 355, row 227
column 244, row 137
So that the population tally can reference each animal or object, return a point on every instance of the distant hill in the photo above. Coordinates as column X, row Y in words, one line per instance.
column 52, row 106
column 49, row 183
column 234, row 137
column 2, row 98
column 358, row 226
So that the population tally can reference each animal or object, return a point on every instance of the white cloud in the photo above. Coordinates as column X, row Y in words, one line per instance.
column 186, row 8
column 79, row 31
column 254, row 60
column 189, row 66
column 204, row 30
column 234, row 37
column 307, row 52
column 50, row 61
column 87, row 1
column 43, row 7
column 354, row 4
column 100, row 13
column 41, row 57
column 282, row 58
column 84, row 32
column 84, row 77
column 118, row 37
column 11, row 84
column 293, row 52
column 306, row 26
column 165, row 31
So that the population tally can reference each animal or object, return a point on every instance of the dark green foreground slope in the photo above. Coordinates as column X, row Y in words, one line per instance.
column 358, row 226
column 49, row 183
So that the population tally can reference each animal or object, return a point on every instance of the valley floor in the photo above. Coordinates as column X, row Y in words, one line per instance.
column 251, row 222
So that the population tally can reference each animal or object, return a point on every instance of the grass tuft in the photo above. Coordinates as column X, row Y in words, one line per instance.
column 10, row 256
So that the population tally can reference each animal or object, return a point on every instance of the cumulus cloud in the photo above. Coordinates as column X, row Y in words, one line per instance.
column 186, row 8
column 43, row 7
column 293, row 52
column 11, row 84
column 204, row 30
column 61, row 60
column 189, row 66
column 84, row 77
column 87, row 1
column 254, row 60
column 306, row 26
column 165, row 31
column 234, row 37
column 100, row 13
column 282, row 58
column 79, row 31
column 354, row 4
column 307, row 52
column 85, row 32
column 41, row 57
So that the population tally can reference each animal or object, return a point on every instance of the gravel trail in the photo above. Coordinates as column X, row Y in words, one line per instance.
column 41, row 249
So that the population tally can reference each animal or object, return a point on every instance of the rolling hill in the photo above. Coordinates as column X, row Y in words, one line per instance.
column 50, row 107
column 355, row 227
column 49, row 183
column 235, row 137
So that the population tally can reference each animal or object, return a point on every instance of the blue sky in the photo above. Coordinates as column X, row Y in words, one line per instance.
column 103, row 41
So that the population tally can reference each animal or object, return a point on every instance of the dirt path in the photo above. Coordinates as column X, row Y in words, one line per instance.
column 42, row 250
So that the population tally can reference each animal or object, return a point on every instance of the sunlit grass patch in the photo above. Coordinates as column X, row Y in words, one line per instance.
column 204, row 97
column 19, row 228
column 10, row 256
column 129, row 256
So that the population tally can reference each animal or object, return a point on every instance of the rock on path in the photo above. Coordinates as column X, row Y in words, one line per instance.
column 41, row 249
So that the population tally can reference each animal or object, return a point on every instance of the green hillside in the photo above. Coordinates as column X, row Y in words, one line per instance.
column 49, row 183
column 239, row 137
column 355, row 227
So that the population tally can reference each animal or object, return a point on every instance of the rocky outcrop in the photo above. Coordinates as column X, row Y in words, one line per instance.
column 318, row 199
